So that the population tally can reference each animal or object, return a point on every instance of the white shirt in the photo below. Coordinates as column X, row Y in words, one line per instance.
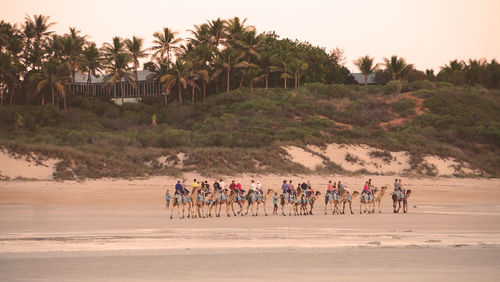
column 252, row 187
column 222, row 185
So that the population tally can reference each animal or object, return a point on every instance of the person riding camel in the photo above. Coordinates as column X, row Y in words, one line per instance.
column 303, row 187
column 179, row 190
column 292, row 189
column 223, row 186
column 233, row 187
column 259, row 188
column 240, row 190
column 366, row 189
column 252, row 188
column 217, row 187
column 372, row 187
column 329, row 189
column 310, row 190
column 186, row 191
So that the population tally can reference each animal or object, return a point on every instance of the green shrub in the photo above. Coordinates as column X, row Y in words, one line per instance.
column 404, row 107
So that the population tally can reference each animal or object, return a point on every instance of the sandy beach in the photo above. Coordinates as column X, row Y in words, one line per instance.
column 120, row 230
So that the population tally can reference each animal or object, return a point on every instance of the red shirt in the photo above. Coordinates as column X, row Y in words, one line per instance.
column 239, row 186
column 232, row 186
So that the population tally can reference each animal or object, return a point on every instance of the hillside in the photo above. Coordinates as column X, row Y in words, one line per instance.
column 425, row 127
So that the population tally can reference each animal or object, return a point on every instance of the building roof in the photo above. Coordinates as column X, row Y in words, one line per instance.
column 82, row 77
column 360, row 78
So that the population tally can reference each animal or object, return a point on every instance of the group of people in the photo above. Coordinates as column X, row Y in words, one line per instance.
column 182, row 191
column 289, row 189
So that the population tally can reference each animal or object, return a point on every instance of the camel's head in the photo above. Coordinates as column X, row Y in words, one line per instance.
column 318, row 193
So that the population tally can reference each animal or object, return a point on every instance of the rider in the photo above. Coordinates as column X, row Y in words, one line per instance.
column 259, row 187
column 366, row 188
column 233, row 187
column 217, row 187
column 186, row 191
column 179, row 190
column 329, row 189
column 292, row 189
column 195, row 184
column 240, row 190
column 223, row 186
column 285, row 188
column 252, row 188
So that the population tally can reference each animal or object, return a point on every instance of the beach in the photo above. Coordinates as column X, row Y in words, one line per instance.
column 119, row 230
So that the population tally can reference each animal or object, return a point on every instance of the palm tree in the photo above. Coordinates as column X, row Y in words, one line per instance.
column 201, row 35
column 9, row 78
column 71, row 52
column 235, row 27
column 118, row 70
column 453, row 72
column 51, row 76
column 109, row 50
column 284, row 62
column 397, row 67
column 297, row 69
column 366, row 66
column 91, row 61
column 166, row 42
column 217, row 31
column 228, row 59
column 267, row 63
column 179, row 75
column 35, row 31
column 136, row 51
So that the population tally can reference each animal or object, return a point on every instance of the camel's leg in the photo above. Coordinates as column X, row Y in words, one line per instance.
column 360, row 206
column 232, row 208
column 171, row 210
column 257, row 209
column 248, row 207
column 241, row 209
column 283, row 210
column 265, row 209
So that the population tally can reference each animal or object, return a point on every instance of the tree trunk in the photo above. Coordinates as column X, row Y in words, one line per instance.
column 228, row 74
column 53, row 96
column 284, row 78
column 366, row 79
column 11, row 96
column 296, row 82
column 64, row 101
column 136, row 82
column 204, row 91
column 89, row 79
column 192, row 94
column 251, row 86
column 180, row 93
column 267, row 80
column 122, row 91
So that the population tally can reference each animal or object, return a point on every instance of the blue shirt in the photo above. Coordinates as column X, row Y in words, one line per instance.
column 179, row 188
column 285, row 187
column 275, row 199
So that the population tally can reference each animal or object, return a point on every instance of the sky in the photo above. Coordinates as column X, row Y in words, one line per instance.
column 428, row 33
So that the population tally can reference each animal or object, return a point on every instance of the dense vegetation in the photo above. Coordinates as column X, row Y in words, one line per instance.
column 242, row 131
column 241, row 110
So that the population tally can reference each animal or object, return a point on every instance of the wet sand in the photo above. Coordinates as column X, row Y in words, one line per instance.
column 119, row 230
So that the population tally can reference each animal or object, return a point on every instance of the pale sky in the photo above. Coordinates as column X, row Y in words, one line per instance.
column 428, row 33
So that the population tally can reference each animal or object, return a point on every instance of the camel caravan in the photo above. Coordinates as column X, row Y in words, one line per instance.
column 203, row 202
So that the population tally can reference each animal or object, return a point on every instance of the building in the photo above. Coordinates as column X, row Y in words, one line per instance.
column 96, row 87
column 360, row 78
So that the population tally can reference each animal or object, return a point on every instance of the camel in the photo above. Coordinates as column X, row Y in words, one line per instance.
column 177, row 202
column 334, row 203
column 240, row 202
column 378, row 198
column 217, row 203
column 258, row 202
column 200, row 203
column 404, row 199
column 344, row 199
column 293, row 202
column 374, row 200
column 310, row 200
